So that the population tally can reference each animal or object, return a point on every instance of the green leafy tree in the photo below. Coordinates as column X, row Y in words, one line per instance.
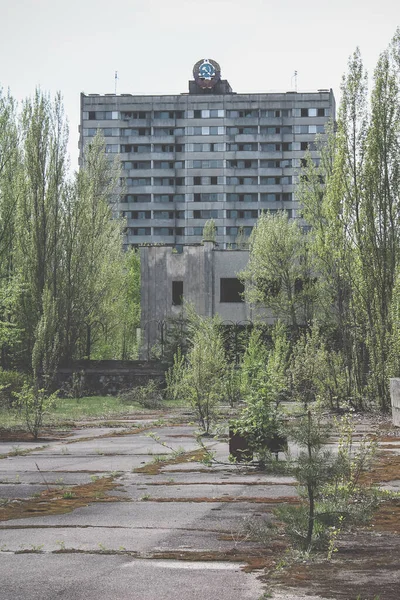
column 209, row 231
column 314, row 464
column 264, row 385
column 10, row 280
column 351, row 202
column 279, row 271
column 45, row 353
column 39, row 214
column 199, row 378
column 95, row 270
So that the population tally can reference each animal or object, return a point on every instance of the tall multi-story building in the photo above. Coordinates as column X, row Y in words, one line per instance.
column 208, row 153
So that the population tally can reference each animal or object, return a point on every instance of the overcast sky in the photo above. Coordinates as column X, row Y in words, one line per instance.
column 77, row 45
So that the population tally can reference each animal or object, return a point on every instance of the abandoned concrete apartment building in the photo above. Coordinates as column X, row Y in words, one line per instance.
column 208, row 153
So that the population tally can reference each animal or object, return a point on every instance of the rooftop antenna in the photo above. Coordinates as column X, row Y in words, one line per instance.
column 116, row 81
column 295, row 81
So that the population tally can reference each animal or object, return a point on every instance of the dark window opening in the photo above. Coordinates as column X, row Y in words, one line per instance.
column 177, row 293
column 231, row 290
column 92, row 115
column 308, row 146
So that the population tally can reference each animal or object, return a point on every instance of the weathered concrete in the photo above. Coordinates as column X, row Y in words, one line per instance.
column 108, row 376
column 187, row 516
column 183, row 511
column 97, row 577
column 395, row 399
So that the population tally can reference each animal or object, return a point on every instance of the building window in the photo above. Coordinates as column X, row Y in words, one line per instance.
column 231, row 290
column 163, row 198
column 111, row 148
column 177, row 293
column 141, row 231
column 141, row 214
column 312, row 146
column 163, row 231
column 126, row 115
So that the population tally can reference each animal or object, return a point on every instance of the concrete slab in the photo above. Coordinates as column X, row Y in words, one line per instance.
column 231, row 475
column 209, row 491
column 53, row 478
column 145, row 525
column 17, row 447
column 115, row 539
column 93, row 463
column 99, row 577
column 207, row 516
column 10, row 491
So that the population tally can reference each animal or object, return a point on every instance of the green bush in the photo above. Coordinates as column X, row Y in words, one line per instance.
column 34, row 403
column 11, row 382
column 296, row 520
column 148, row 396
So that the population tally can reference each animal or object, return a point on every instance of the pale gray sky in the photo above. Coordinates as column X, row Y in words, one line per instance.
column 77, row 45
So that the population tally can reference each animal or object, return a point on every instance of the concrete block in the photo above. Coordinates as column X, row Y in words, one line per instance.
column 395, row 400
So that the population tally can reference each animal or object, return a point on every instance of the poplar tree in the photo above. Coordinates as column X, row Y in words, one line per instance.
column 41, row 185
column 10, row 282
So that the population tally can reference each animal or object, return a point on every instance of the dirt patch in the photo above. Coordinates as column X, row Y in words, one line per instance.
column 111, row 434
column 154, row 468
column 351, row 575
column 217, row 483
column 24, row 436
column 232, row 499
column 22, row 451
column 389, row 446
column 390, row 438
column 179, row 435
column 252, row 559
column 385, row 468
column 387, row 517
column 56, row 502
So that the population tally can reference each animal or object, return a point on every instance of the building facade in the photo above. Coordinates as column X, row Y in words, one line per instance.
column 208, row 153
column 203, row 275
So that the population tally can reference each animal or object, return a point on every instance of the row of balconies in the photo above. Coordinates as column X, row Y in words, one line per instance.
column 190, row 221
column 212, row 139
column 226, row 171
column 223, row 188
column 260, row 205
column 206, row 122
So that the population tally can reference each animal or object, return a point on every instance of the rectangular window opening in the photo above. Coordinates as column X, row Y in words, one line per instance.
column 231, row 290
column 177, row 293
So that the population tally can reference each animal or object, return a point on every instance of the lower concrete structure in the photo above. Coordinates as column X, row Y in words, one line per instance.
column 203, row 275
column 395, row 399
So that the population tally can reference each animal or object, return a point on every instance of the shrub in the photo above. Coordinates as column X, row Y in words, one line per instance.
column 34, row 403
column 148, row 395
column 11, row 382
column 199, row 379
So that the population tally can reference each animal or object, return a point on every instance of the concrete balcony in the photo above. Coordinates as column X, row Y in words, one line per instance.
column 134, row 139
column 163, row 156
column 139, row 189
column 162, row 172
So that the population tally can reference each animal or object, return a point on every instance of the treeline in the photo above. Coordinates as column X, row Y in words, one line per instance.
column 67, row 289
column 342, row 278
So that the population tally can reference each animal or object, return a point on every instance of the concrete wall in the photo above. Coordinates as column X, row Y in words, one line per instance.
column 201, row 269
column 395, row 399
column 107, row 376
